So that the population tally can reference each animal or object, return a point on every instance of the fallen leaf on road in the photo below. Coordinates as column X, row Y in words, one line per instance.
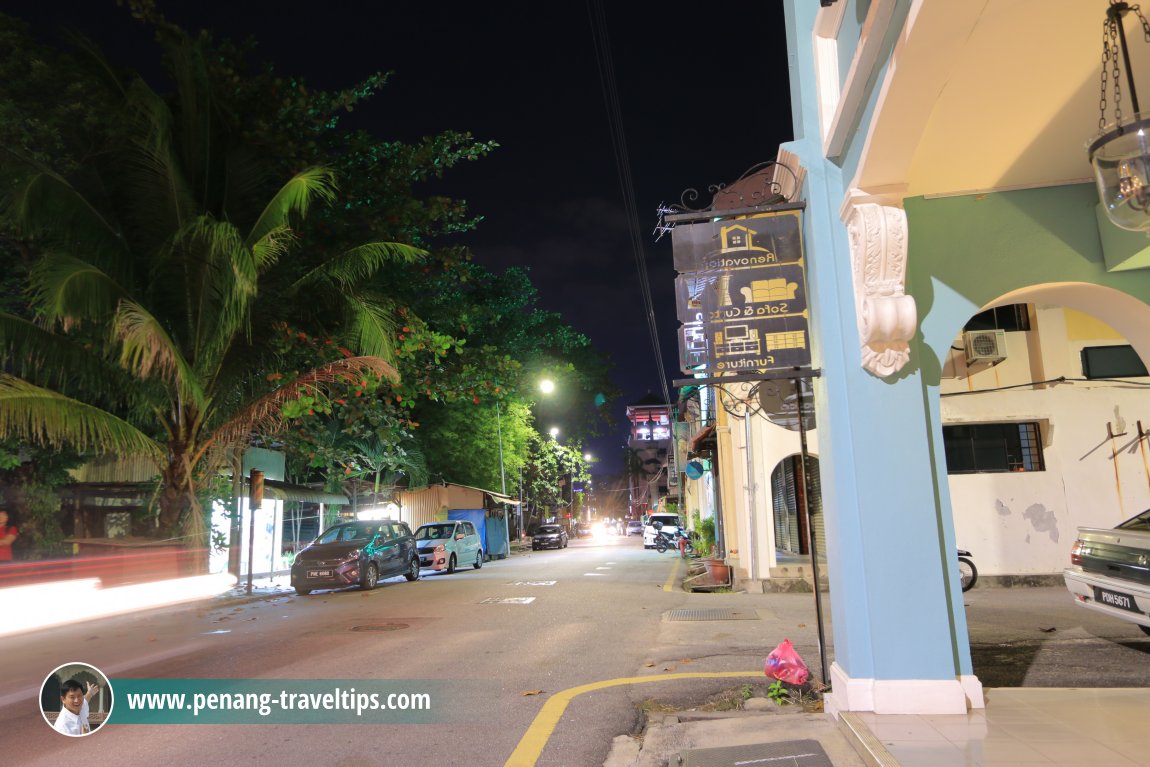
column 685, row 660
column 802, row 625
column 669, row 668
column 525, row 693
column 648, row 665
column 1047, row 631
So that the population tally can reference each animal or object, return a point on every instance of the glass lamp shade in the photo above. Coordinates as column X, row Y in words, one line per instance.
column 1120, row 156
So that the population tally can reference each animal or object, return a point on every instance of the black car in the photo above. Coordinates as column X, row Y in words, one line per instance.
column 549, row 536
column 356, row 553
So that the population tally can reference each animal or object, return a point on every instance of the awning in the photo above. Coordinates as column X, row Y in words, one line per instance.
column 502, row 499
column 706, row 435
column 284, row 491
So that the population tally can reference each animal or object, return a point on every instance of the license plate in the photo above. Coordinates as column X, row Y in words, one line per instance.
column 319, row 573
column 1115, row 599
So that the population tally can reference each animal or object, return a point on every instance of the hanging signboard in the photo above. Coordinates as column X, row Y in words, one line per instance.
column 742, row 294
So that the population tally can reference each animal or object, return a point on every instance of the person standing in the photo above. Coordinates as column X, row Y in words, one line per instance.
column 8, row 534
column 72, row 719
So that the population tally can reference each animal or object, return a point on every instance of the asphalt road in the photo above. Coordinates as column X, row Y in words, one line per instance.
column 596, row 612
column 1038, row 637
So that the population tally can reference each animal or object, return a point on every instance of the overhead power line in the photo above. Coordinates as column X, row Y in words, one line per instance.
column 602, row 43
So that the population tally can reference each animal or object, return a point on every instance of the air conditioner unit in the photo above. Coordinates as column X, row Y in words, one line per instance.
column 984, row 345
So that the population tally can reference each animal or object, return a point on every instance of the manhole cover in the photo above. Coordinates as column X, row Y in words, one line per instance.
column 712, row 614
column 789, row 753
column 380, row 627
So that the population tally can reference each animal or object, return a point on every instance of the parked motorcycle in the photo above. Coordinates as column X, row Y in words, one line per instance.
column 967, row 572
column 678, row 540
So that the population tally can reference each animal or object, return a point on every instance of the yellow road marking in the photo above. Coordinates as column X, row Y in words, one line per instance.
column 531, row 744
column 671, row 578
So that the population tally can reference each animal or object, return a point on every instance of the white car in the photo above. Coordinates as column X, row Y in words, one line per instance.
column 671, row 525
column 1109, row 570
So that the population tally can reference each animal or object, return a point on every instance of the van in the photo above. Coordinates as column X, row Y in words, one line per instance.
column 671, row 525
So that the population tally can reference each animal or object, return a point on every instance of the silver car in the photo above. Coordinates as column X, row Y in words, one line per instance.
column 448, row 545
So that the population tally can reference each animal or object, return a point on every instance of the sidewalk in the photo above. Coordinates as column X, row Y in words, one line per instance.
column 1039, row 727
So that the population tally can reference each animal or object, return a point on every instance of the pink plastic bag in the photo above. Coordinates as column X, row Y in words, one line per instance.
column 785, row 664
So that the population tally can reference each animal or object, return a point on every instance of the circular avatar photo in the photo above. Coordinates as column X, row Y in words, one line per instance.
column 76, row 699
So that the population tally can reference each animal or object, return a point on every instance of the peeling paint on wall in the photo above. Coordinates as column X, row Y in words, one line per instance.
column 1002, row 509
column 1042, row 520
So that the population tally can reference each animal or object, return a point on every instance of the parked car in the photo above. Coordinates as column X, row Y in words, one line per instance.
column 353, row 553
column 1109, row 570
column 671, row 525
column 584, row 530
column 549, row 536
column 634, row 527
column 444, row 545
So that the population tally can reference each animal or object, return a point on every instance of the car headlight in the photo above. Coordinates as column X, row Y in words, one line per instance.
column 440, row 549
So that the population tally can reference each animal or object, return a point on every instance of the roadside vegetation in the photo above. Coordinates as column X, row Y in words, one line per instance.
column 214, row 261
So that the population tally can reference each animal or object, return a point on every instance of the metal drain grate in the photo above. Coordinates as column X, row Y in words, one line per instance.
column 789, row 753
column 712, row 614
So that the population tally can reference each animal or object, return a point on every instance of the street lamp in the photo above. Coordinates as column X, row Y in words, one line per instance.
column 554, row 432
column 1120, row 153
column 547, row 386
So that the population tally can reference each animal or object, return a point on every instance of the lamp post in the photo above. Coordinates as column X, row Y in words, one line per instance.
column 502, row 477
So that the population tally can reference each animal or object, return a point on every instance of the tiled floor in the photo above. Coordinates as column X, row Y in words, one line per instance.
column 1023, row 726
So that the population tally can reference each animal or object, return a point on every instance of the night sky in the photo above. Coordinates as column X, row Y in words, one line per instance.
column 703, row 97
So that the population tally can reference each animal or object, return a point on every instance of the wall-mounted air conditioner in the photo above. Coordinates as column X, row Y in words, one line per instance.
column 984, row 345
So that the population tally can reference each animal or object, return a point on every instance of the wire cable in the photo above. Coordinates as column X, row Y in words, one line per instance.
column 608, row 84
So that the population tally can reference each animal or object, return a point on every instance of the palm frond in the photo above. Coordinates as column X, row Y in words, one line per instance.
column 45, row 205
column 352, row 267
column 45, row 417
column 222, row 274
column 268, row 249
column 293, row 199
column 266, row 413
column 162, row 197
column 69, row 290
column 57, row 361
column 146, row 349
column 370, row 327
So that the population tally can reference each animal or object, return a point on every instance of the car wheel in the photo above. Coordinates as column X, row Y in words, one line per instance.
column 1145, row 629
column 534, row 547
column 478, row 559
column 302, row 591
column 412, row 573
column 451, row 564
column 370, row 578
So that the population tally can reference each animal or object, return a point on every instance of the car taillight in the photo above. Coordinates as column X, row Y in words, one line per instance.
column 1076, row 553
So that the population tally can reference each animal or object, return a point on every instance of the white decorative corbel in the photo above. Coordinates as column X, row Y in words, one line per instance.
column 887, row 316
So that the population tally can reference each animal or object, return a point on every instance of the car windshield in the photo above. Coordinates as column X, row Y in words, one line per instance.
column 549, row 529
column 433, row 532
column 345, row 533
column 1140, row 522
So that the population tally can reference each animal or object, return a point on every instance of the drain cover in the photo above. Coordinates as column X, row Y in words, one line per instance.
column 789, row 753
column 380, row 627
column 712, row 614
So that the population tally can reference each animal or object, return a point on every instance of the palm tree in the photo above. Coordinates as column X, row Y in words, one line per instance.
column 160, row 265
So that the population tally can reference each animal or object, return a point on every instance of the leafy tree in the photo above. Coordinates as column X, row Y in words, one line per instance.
column 550, row 473
column 157, row 264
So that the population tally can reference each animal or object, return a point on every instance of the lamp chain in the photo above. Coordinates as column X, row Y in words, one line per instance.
column 1111, row 55
column 1109, row 49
